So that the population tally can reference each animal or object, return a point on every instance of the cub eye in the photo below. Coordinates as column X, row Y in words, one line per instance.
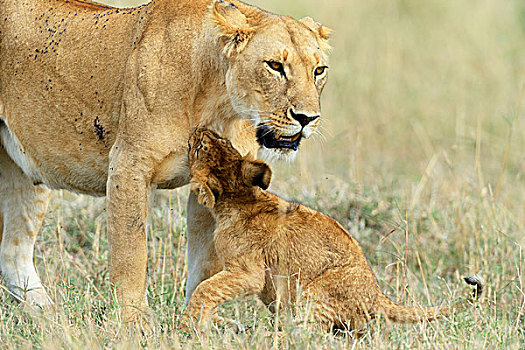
column 202, row 147
column 320, row 70
column 276, row 66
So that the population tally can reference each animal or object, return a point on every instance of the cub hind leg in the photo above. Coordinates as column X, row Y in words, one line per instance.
column 344, row 297
column 22, row 209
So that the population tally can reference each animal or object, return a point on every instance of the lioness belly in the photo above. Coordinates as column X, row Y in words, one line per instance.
column 58, row 164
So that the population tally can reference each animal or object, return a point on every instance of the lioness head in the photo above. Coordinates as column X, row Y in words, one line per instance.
column 277, row 68
column 217, row 169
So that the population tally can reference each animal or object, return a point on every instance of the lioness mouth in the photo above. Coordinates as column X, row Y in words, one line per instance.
column 270, row 139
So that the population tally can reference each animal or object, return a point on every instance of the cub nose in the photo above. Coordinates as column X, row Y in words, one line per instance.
column 302, row 118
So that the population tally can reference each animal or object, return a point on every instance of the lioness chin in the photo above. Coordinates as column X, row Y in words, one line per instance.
column 268, row 246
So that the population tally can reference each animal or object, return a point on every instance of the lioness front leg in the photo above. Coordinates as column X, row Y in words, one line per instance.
column 202, row 258
column 229, row 284
column 128, row 198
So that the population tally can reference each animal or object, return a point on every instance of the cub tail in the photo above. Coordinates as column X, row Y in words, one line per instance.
column 412, row 314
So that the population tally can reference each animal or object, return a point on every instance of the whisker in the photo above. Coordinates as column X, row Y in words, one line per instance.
column 321, row 131
column 319, row 137
column 268, row 132
column 247, row 127
column 324, row 128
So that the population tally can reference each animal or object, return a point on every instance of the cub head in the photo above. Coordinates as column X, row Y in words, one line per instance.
column 217, row 169
column 277, row 68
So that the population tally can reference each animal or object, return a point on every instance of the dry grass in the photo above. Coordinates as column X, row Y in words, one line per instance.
column 421, row 160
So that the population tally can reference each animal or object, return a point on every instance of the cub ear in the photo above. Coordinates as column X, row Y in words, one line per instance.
column 234, row 26
column 323, row 33
column 207, row 188
column 257, row 173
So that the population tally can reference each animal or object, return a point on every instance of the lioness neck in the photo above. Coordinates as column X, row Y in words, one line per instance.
column 211, row 102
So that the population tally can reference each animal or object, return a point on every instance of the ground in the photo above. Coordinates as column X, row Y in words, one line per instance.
column 421, row 159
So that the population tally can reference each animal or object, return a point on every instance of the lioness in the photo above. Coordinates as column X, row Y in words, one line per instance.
column 269, row 246
column 101, row 101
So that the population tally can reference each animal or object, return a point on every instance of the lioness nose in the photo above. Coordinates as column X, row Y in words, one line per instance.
column 302, row 118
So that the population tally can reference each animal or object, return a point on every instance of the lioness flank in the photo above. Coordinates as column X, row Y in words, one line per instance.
column 268, row 246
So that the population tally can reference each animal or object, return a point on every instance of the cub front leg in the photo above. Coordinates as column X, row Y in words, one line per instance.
column 228, row 284
column 128, row 198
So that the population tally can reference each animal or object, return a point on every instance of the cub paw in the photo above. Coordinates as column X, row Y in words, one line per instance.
column 204, row 194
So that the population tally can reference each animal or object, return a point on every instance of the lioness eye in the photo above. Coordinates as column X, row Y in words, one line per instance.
column 320, row 70
column 276, row 66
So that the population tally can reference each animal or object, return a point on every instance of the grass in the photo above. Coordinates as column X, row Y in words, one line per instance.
column 421, row 161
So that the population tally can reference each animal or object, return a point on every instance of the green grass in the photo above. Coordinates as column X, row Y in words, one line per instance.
column 422, row 104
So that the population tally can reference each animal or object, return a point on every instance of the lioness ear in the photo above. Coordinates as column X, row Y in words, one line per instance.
column 257, row 173
column 234, row 27
column 322, row 32
column 207, row 188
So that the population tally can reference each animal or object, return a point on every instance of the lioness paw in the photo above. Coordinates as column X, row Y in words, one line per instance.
column 142, row 321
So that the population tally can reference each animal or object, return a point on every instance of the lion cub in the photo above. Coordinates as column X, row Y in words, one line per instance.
column 269, row 246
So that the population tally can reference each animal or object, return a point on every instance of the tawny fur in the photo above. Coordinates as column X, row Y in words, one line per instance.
column 272, row 248
column 101, row 101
